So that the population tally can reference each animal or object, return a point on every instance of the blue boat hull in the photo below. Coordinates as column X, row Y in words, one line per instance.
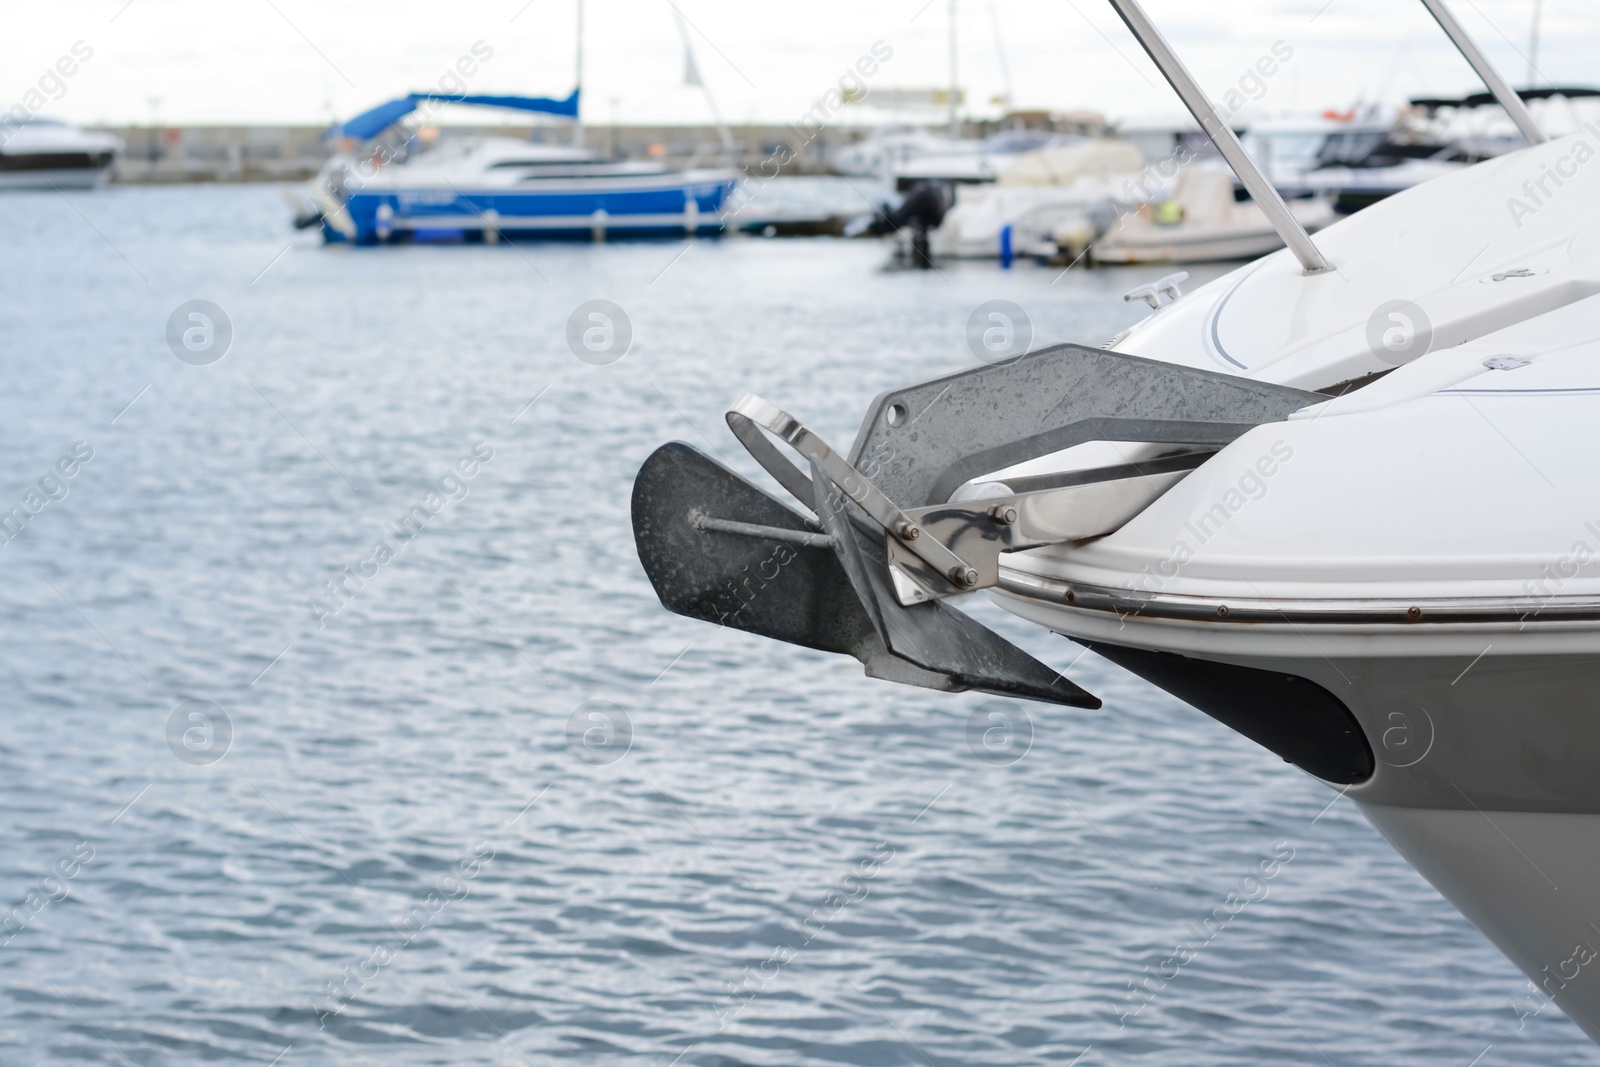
column 668, row 205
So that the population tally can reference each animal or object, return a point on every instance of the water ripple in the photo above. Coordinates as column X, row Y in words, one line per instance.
column 399, row 861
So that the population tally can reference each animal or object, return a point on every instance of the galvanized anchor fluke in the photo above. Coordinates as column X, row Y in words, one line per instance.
column 884, row 539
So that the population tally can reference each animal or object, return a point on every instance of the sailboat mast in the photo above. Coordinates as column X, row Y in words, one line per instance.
column 577, row 120
column 1000, row 51
column 955, row 93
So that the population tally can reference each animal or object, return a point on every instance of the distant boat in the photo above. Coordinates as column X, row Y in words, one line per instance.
column 1353, row 159
column 42, row 153
column 1037, row 196
column 877, row 155
column 1355, row 162
column 1477, row 125
column 976, row 162
column 481, row 187
column 1202, row 222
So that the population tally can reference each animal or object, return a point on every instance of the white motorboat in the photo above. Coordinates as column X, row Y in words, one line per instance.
column 39, row 153
column 1480, row 129
column 1335, row 499
column 1353, row 161
column 1199, row 222
column 879, row 154
column 1165, row 136
column 1039, row 195
column 969, row 162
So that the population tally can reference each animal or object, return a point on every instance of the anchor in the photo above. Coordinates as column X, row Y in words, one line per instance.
column 873, row 550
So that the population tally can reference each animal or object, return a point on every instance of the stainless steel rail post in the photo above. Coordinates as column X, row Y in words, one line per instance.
column 1507, row 96
column 1294, row 235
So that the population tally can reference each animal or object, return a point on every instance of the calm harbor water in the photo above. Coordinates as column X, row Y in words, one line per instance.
column 296, row 772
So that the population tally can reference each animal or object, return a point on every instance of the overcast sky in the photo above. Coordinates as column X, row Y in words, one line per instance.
column 306, row 61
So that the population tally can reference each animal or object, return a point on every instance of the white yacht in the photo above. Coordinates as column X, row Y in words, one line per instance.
column 1336, row 499
column 1352, row 161
column 39, row 153
column 1038, row 195
column 878, row 154
column 977, row 162
column 1481, row 129
column 1206, row 224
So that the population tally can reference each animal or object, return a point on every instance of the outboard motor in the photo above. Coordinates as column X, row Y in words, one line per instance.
column 923, row 209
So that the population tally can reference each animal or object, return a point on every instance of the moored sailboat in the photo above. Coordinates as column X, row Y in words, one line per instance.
column 419, row 185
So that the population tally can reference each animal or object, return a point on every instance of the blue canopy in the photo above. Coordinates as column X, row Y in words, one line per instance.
column 369, row 124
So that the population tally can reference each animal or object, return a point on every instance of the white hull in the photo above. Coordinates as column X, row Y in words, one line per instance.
column 978, row 162
column 972, row 229
column 1485, row 762
column 1203, row 247
column 77, row 178
column 1048, row 195
column 1214, row 226
column 38, row 153
column 879, row 156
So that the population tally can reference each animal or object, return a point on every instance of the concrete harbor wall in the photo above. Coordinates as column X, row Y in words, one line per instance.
column 293, row 153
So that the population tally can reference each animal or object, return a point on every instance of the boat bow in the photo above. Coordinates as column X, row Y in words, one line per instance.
column 921, row 511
